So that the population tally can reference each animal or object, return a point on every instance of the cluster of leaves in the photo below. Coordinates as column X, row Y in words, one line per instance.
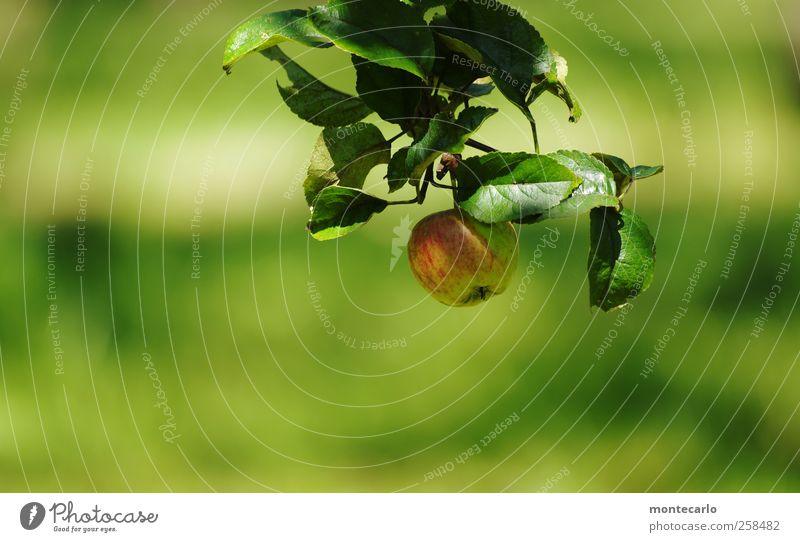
column 419, row 64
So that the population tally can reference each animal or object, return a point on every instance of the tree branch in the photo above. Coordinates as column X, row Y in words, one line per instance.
column 480, row 146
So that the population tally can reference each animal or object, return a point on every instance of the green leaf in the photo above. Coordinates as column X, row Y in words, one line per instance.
column 597, row 188
column 397, row 175
column 554, row 81
column 642, row 172
column 477, row 90
column 314, row 101
column 425, row 5
column 499, row 187
column 394, row 94
column 621, row 259
column 390, row 33
column 344, row 156
column 453, row 69
column 268, row 30
column 500, row 38
column 444, row 135
column 337, row 211
column 624, row 175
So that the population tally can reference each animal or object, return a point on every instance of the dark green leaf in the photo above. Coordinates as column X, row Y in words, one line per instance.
column 643, row 172
column 453, row 69
column 268, row 30
column 477, row 90
column 314, row 101
column 621, row 258
column 337, row 211
column 344, row 156
column 444, row 135
column 394, row 94
column 391, row 33
column 397, row 174
column 624, row 175
column 425, row 5
column 497, row 187
column 500, row 38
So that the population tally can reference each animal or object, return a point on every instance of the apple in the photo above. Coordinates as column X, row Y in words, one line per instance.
column 461, row 261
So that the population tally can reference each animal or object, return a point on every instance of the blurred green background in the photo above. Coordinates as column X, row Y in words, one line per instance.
column 133, row 374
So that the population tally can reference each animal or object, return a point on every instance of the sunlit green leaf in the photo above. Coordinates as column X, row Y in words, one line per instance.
column 597, row 188
column 497, row 187
column 337, row 211
column 268, row 30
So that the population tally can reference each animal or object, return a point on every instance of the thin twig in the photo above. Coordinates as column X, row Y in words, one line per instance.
column 428, row 179
column 395, row 138
column 445, row 186
column 480, row 146
column 535, row 135
column 405, row 202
